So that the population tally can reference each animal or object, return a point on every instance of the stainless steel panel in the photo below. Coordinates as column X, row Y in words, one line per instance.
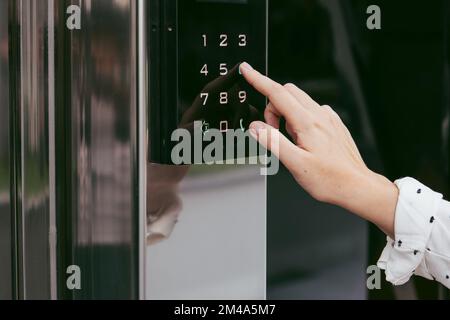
column 104, row 151
column 103, row 146
column 35, row 92
column 6, row 275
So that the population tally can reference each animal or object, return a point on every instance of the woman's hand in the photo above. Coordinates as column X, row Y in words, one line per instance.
column 323, row 157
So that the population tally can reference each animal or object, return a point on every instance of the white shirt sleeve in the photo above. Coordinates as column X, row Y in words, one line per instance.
column 422, row 236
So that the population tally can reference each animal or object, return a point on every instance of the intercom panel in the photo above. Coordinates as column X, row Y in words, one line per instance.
column 196, row 47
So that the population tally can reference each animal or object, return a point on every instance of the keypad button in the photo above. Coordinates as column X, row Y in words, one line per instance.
column 223, row 126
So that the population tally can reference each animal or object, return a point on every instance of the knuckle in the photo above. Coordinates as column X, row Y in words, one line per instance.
column 327, row 108
column 330, row 113
column 290, row 86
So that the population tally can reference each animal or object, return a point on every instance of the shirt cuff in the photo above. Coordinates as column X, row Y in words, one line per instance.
column 414, row 216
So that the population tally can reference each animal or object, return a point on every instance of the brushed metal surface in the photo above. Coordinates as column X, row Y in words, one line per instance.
column 6, row 275
column 103, row 142
column 32, row 158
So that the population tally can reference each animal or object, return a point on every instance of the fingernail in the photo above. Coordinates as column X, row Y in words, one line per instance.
column 255, row 128
column 244, row 66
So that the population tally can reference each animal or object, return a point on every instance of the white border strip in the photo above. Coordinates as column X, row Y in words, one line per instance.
column 51, row 148
column 265, row 177
column 142, row 145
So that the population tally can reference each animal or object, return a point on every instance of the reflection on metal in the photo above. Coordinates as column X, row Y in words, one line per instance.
column 6, row 274
column 103, row 146
column 206, row 232
column 34, row 87
column 347, row 67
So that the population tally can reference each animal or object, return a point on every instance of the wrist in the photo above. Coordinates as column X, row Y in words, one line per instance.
column 373, row 197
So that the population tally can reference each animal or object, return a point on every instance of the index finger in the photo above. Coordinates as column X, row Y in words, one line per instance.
column 281, row 99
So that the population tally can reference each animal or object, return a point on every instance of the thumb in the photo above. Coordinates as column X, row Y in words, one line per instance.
column 273, row 140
